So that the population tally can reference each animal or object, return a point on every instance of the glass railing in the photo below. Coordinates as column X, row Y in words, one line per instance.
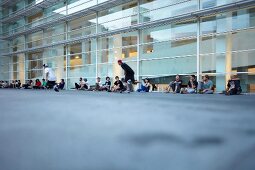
column 214, row 3
column 22, row 9
column 61, row 12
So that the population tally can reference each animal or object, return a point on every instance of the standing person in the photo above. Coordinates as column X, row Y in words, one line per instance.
column 129, row 75
column 50, row 78
column 175, row 85
column 192, row 86
column 205, row 86
column 233, row 86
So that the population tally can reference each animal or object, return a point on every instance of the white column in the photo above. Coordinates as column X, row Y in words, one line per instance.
column 198, row 42
column 198, row 48
column 223, row 52
column 138, row 45
column 67, row 57
column 96, row 45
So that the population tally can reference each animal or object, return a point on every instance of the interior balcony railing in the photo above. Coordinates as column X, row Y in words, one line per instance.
column 140, row 26
column 62, row 16
column 28, row 10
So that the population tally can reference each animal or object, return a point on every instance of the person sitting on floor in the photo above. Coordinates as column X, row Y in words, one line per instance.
column 37, row 85
column 124, row 84
column 61, row 85
column 146, row 86
column 118, row 85
column 86, row 86
column 18, row 84
column 81, row 84
column 192, row 86
column 205, row 86
column 28, row 84
column 5, row 84
column 107, row 85
column 98, row 85
column 44, row 84
column 175, row 85
column 12, row 84
column 233, row 86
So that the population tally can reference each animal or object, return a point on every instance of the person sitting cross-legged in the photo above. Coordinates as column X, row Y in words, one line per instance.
column 205, row 86
column 82, row 85
column 44, row 84
column 118, row 85
column 98, row 84
column 192, row 86
column 107, row 85
column 175, row 85
column 37, row 85
column 18, row 84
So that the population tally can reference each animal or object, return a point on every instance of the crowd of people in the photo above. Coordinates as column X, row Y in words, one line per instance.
column 205, row 86
column 30, row 84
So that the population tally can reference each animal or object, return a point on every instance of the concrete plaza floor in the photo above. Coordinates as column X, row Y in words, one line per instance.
column 77, row 130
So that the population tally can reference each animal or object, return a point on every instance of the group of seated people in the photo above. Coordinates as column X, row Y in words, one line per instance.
column 203, row 87
column 30, row 84
column 13, row 84
column 118, row 85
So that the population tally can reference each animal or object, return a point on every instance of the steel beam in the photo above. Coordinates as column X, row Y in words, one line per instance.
column 84, row 12
column 140, row 26
column 29, row 10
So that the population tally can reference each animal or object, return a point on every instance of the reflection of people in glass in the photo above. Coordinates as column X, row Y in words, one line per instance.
column 50, row 78
column 129, row 75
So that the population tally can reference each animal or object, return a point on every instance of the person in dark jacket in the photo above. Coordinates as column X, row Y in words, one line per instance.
column 129, row 75
column 128, row 71
column 233, row 86
column 61, row 85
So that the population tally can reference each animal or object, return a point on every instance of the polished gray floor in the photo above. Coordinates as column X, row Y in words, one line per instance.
column 71, row 130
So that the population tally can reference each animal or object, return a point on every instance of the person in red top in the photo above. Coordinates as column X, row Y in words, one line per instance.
column 38, row 84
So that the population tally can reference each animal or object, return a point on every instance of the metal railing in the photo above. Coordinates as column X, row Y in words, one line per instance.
column 28, row 10
column 47, row 22
column 140, row 26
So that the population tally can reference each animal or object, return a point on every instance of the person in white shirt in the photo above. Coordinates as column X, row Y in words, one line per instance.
column 50, row 77
column 86, row 84
column 83, row 85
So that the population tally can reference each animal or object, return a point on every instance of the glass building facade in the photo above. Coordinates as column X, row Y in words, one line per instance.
column 157, row 38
